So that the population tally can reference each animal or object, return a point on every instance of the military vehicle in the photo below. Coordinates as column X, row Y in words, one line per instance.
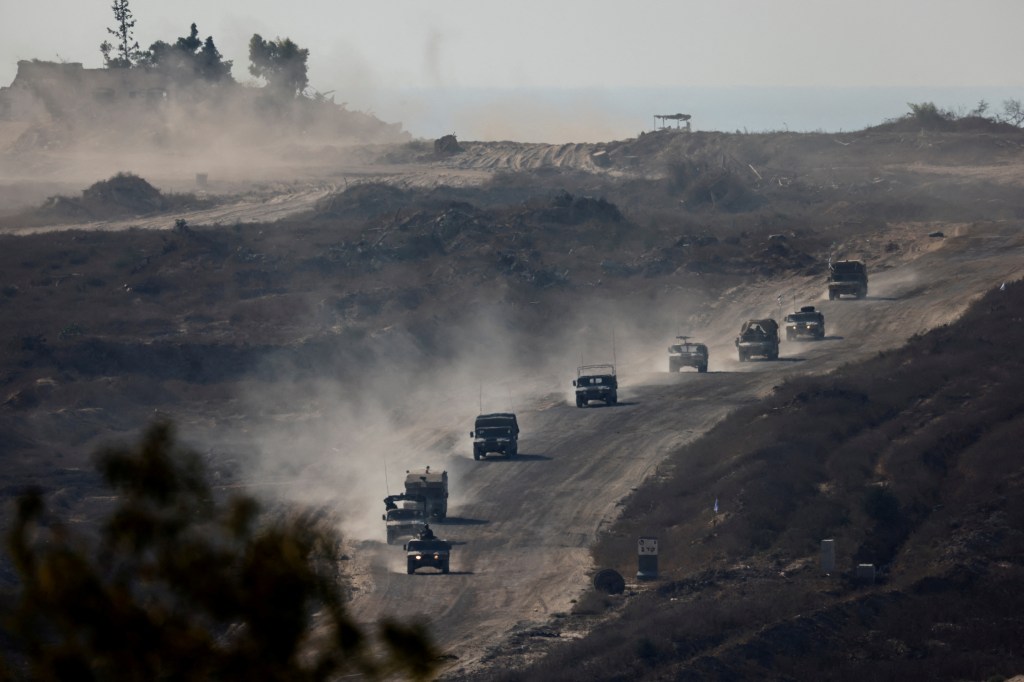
column 687, row 354
column 847, row 278
column 433, row 487
column 806, row 322
column 758, row 338
column 596, row 382
column 431, row 552
column 497, row 433
column 407, row 520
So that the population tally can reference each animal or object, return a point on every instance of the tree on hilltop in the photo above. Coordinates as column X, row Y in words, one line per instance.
column 126, row 52
column 1013, row 112
column 190, row 58
column 281, row 63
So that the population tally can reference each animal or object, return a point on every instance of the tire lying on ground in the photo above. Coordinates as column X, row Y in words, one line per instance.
column 609, row 581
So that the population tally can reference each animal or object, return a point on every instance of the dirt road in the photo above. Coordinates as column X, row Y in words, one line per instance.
column 522, row 534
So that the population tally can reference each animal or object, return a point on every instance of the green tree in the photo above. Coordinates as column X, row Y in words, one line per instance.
column 190, row 58
column 126, row 52
column 281, row 63
column 182, row 586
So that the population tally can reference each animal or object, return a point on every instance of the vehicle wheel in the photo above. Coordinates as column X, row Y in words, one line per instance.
column 612, row 399
column 476, row 455
column 445, row 569
column 789, row 336
column 831, row 295
column 410, row 569
column 702, row 368
column 580, row 402
column 774, row 355
column 743, row 357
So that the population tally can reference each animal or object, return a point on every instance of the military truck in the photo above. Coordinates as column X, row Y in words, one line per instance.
column 806, row 322
column 596, row 382
column 758, row 338
column 687, row 354
column 433, row 487
column 495, row 433
column 407, row 520
column 847, row 278
column 431, row 552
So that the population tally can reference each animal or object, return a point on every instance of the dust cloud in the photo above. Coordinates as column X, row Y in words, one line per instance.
column 65, row 126
column 344, row 440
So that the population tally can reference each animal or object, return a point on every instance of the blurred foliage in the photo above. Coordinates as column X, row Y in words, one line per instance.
column 181, row 586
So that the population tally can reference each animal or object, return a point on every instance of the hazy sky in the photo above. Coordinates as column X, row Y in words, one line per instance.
column 359, row 47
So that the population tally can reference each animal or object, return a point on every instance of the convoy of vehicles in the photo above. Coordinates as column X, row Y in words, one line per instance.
column 687, row 354
column 495, row 433
column 596, row 382
column 805, row 323
column 425, row 497
column 847, row 278
column 758, row 338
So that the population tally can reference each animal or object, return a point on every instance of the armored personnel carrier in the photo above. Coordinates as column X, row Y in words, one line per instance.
column 687, row 354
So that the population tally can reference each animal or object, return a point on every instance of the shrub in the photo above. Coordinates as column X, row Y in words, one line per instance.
column 181, row 586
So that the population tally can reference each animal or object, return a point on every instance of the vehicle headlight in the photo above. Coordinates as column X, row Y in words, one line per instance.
column 437, row 556
column 418, row 557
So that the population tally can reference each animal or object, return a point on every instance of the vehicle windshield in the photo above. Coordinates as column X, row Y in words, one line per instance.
column 689, row 348
column 803, row 317
column 593, row 381
column 493, row 432
column 426, row 545
column 404, row 514
column 846, row 271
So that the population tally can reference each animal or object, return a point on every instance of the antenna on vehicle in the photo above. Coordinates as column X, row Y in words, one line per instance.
column 511, row 407
column 481, row 397
column 614, row 361
column 387, row 487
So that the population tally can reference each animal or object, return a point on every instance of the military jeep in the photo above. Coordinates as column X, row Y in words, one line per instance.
column 806, row 322
column 687, row 354
column 497, row 433
column 596, row 382
column 847, row 278
column 432, row 553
